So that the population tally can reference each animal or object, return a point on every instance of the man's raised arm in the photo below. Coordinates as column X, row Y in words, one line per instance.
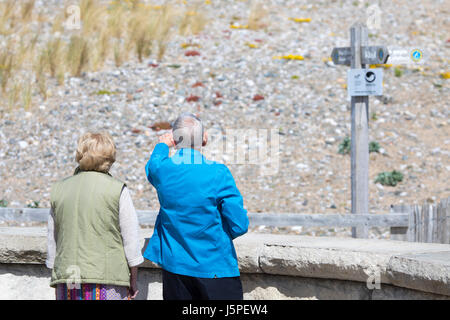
column 231, row 205
column 159, row 154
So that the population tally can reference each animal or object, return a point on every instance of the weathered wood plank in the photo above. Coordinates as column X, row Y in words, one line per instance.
column 427, row 223
column 444, row 222
column 268, row 219
column 405, row 233
column 146, row 217
column 418, row 215
column 436, row 223
column 336, row 220
column 24, row 214
column 447, row 218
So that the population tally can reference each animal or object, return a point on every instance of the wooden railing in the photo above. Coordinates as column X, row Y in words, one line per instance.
column 427, row 223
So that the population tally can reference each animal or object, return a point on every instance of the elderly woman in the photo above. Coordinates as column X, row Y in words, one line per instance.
column 93, row 244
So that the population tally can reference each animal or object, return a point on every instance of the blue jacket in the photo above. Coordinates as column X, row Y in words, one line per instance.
column 201, row 212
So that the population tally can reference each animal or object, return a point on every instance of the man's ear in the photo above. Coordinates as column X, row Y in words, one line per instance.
column 205, row 139
column 173, row 139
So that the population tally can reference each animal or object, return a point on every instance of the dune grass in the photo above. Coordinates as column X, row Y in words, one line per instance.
column 39, row 46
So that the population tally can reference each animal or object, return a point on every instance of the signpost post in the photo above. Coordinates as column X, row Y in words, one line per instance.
column 357, row 56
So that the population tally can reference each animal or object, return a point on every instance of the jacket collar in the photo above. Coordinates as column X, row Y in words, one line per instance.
column 78, row 170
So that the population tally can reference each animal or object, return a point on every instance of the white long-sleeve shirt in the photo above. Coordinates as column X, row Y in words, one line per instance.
column 129, row 229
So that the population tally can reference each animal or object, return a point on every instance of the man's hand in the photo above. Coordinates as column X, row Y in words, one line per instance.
column 167, row 138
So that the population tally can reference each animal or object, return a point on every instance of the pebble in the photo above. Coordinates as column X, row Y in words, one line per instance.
column 23, row 144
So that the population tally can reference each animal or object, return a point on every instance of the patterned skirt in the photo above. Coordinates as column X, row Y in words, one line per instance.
column 91, row 291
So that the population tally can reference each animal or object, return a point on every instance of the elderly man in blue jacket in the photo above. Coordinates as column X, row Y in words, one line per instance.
column 201, row 212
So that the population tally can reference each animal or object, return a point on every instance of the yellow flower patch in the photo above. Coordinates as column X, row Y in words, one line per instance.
column 290, row 57
column 233, row 26
column 187, row 45
column 386, row 66
column 251, row 45
column 445, row 75
column 300, row 20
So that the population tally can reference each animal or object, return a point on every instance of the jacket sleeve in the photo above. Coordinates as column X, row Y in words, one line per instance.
column 129, row 229
column 231, row 205
column 51, row 240
column 159, row 154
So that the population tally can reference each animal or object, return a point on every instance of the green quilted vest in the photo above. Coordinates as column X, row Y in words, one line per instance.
column 89, row 246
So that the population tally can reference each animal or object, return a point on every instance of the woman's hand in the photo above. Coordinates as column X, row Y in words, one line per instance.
column 133, row 289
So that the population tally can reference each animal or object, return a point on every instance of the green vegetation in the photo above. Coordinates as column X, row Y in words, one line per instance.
column 374, row 116
column 3, row 203
column 33, row 204
column 107, row 92
column 389, row 178
column 346, row 145
column 374, row 147
column 398, row 72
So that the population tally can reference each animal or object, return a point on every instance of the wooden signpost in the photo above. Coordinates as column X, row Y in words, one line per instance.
column 357, row 56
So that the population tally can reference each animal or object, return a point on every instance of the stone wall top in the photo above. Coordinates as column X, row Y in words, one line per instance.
column 418, row 266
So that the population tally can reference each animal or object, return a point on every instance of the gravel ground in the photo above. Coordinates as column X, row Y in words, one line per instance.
column 305, row 101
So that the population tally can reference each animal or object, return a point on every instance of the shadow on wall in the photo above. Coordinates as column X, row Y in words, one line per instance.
column 149, row 280
column 265, row 286
column 277, row 287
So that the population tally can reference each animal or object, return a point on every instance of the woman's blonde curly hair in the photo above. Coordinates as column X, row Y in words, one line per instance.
column 96, row 152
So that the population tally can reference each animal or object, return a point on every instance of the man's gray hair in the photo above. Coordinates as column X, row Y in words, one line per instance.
column 187, row 131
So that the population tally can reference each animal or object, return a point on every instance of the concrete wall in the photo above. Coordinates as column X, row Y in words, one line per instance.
column 272, row 267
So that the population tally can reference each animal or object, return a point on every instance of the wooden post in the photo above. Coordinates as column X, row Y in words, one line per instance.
column 443, row 222
column 427, row 217
column 419, row 210
column 360, row 135
column 446, row 212
column 406, row 233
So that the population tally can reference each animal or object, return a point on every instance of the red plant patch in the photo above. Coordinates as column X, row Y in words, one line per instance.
column 218, row 95
column 198, row 84
column 137, row 131
column 153, row 65
column 191, row 53
column 258, row 97
column 217, row 102
column 192, row 98
column 164, row 125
